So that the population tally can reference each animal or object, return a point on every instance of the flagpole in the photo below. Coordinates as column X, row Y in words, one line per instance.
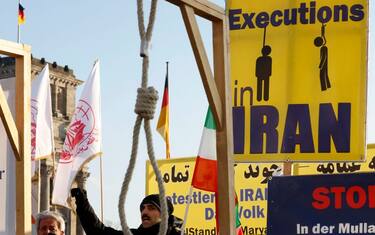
column 186, row 211
column 18, row 34
column 39, row 185
column 101, row 172
column 53, row 171
column 101, row 188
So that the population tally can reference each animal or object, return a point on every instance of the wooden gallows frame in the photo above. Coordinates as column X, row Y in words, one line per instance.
column 217, row 88
column 18, row 131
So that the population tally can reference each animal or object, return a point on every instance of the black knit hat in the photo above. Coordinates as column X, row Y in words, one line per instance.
column 154, row 200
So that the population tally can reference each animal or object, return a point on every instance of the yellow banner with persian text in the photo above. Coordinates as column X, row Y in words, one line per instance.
column 338, row 167
column 250, row 186
column 299, row 79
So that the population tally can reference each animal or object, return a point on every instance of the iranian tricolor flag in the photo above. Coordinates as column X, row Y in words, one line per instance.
column 205, row 171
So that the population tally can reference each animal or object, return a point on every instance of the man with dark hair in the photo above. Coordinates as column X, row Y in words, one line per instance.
column 150, row 215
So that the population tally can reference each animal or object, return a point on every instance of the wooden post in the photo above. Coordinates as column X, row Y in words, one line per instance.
column 288, row 167
column 217, row 88
column 224, row 134
column 18, row 131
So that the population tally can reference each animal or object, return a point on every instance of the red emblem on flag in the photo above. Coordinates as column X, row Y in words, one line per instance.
column 34, row 113
column 80, row 134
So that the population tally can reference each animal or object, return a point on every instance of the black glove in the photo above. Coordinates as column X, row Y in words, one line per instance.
column 175, row 221
column 78, row 193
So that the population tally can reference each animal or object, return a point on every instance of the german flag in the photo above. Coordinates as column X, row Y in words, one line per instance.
column 21, row 14
column 163, row 122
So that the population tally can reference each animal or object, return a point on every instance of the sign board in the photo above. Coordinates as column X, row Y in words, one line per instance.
column 322, row 204
column 250, row 186
column 338, row 167
column 7, row 166
column 299, row 72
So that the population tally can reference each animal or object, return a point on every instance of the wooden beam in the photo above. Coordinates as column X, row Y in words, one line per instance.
column 202, row 62
column 202, row 8
column 218, row 90
column 12, row 49
column 23, row 122
column 224, row 135
column 287, row 169
column 22, row 125
column 9, row 124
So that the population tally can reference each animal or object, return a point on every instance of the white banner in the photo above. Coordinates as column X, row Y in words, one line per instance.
column 41, row 116
column 83, row 138
column 7, row 169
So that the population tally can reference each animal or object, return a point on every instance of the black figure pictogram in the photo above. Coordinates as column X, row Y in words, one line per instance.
column 321, row 42
column 263, row 71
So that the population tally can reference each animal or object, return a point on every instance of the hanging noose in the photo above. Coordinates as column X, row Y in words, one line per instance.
column 145, row 109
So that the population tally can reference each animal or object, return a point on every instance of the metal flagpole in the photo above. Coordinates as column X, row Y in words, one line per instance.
column 186, row 211
column 101, row 188
column 53, row 171
column 18, row 36
column 101, row 172
column 39, row 185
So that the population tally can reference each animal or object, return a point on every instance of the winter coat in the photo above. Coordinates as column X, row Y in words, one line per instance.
column 93, row 226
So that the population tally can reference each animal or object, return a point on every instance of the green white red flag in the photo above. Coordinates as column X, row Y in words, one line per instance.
column 205, row 171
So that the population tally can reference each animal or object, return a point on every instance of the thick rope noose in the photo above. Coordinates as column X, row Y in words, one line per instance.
column 145, row 109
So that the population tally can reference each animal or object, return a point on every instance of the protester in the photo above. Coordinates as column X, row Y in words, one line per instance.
column 150, row 215
column 50, row 223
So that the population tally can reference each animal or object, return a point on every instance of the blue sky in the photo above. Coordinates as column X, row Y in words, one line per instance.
column 75, row 33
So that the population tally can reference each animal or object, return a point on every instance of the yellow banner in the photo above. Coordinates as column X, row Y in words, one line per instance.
column 250, row 184
column 299, row 73
column 339, row 167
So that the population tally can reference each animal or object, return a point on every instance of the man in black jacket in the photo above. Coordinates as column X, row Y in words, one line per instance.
column 150, row 214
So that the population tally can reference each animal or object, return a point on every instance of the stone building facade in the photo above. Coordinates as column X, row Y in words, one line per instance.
column 63, row 95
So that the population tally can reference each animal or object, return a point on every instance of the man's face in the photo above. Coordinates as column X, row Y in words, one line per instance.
column 49, row 226
column 150, row 215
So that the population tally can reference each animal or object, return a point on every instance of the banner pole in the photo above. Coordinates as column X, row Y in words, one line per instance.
column 53, row 172
column 101, row 189
column 186, row 211
column 39, row 185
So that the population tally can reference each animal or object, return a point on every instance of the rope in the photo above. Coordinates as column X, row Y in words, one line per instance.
column 323, row 32
column 145, row 109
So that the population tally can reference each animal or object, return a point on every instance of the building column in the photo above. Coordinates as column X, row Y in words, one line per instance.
column 70, row 99
column 45, row 176
column 81, row 179
column 54, row 98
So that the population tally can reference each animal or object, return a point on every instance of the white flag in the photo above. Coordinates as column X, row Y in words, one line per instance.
column 41, row 116
column 83, row 138
column 42, row 144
